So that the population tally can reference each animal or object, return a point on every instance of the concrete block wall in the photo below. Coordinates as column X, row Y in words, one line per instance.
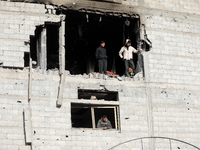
column 174, row 57
column 165, row 104
column 51, row 126
column 185, row 6
column 131, row 2
column 175, row 113
column 172, row 68
column 17, row 23
column 13, row 100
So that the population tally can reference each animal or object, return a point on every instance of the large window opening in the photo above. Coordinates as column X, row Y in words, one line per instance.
column 84, row 31
column 97, row 95
column 87, row 116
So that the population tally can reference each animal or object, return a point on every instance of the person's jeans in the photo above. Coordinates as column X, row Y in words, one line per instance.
column 127, row 64
column 103, row 66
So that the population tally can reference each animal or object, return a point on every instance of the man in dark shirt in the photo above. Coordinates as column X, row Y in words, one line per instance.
column 102, row 58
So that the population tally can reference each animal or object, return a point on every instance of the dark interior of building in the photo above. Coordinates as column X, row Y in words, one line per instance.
column 100, row 95
column 26, row 59
column 33, row 49
column 52, row 46
column 83, row 35
column 81, row 117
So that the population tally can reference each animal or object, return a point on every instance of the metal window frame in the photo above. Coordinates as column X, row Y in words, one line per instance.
column 116, row 115
column 115, row 109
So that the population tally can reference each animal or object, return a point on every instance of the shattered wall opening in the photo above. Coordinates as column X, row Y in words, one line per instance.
column 84, row 31
column 88, row 115
column 44, row 46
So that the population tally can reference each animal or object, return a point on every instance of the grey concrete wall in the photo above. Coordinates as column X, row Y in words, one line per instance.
column 18, row 22
column 166, row 103
column 173, row 64
column 175, row 54
column 51, row 125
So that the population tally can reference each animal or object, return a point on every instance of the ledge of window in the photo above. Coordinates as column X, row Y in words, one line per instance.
column 97, row 76
column 99, row 102
column 96, row 129
column 90, row 76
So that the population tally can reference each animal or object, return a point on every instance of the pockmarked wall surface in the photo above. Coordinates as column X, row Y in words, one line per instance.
column 165, row 103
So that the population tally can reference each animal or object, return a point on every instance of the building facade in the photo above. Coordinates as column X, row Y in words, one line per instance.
column 50, row 97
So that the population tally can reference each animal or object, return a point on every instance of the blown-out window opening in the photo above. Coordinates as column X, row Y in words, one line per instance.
column 87, row 116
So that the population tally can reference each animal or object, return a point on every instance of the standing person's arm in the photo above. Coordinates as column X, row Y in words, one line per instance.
column 134, row 50
column 120, row 52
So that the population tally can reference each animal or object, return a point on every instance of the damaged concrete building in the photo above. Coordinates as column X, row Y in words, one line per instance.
column 51, row 99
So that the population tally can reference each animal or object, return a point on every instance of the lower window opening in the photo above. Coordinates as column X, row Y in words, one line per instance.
column 88, row 116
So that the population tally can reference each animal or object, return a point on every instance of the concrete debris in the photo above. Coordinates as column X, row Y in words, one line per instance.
column 67, row 72
column 96, row 75
column 101, row 76
column 119, row 78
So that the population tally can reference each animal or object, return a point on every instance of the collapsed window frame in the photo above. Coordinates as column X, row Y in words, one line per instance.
column 93, row 110
column 46, row 46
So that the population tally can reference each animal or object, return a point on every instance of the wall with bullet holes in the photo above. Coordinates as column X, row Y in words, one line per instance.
column 164, row 104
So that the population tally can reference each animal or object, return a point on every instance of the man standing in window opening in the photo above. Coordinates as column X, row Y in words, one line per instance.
column 127, row 56
column 104, row 123
column 102, row 58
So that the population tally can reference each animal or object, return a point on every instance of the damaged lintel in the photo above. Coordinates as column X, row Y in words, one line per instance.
column 105, row 7
column 102, row 12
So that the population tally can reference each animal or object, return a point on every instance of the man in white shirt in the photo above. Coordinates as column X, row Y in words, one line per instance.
column 127, row 56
